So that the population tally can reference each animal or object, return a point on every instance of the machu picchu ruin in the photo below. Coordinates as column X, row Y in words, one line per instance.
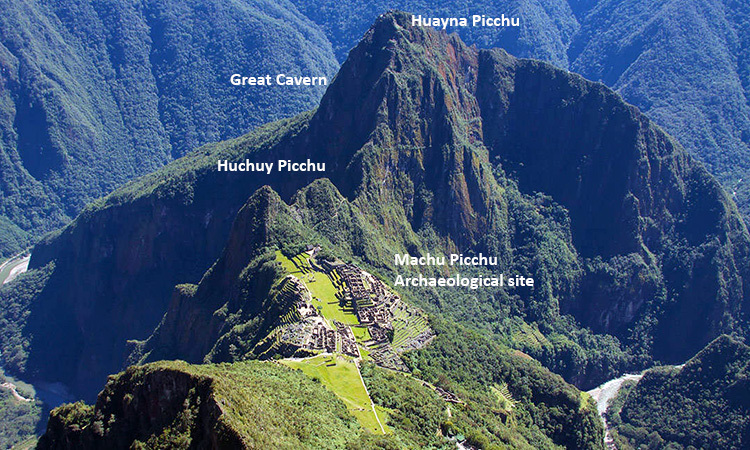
column 340, row 308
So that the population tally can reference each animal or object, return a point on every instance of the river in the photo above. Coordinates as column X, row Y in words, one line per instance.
column 13, row 267
column 603, row 395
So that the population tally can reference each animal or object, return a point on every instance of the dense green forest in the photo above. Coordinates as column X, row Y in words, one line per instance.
column 93, row 94
column 267, row 404
column 539, row 402
column 264, row 403
column 703, row 404
column 19, row 420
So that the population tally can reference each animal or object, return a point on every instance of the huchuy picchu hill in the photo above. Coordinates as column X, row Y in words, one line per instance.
column 257, row 303
column 429, row 146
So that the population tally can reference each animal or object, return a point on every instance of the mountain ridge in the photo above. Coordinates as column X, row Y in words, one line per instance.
column 690, row 79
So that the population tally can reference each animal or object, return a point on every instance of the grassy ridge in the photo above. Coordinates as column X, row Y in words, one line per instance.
column 261, row 405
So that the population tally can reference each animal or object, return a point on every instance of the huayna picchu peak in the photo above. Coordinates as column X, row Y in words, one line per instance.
column 430, row 146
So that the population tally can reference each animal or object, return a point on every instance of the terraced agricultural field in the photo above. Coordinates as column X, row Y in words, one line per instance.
column 407, row 326
column 504, row 397
column 529, row 337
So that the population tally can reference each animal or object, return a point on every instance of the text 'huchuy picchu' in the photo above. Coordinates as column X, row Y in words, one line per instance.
column 283, row 165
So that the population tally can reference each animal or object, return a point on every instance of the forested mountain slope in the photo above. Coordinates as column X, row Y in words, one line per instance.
column 430, row 146
column 255, row 404
column 175, row 405
column 703, row 404
column 686, row 65
column 95, row 93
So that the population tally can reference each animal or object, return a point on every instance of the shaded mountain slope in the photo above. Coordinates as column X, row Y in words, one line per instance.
column 685, row 65
column 704, row 404
column 637, row 204
column 434, row 146
column 95, row 93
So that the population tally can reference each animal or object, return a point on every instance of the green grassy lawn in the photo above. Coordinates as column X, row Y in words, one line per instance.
column 362, row 334
column 324, row 295
column 287, row 263
column 321, row 287
column 530, row 337
column 342, row 378
column 383, row 414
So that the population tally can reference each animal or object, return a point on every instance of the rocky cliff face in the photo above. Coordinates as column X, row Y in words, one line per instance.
column 638, row 205
column 433, row 146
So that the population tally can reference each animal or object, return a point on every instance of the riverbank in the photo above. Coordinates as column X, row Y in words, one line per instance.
column 13, row 390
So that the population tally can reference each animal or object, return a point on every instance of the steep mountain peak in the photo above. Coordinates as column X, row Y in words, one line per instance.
column 406, row 114
column 394, row 53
